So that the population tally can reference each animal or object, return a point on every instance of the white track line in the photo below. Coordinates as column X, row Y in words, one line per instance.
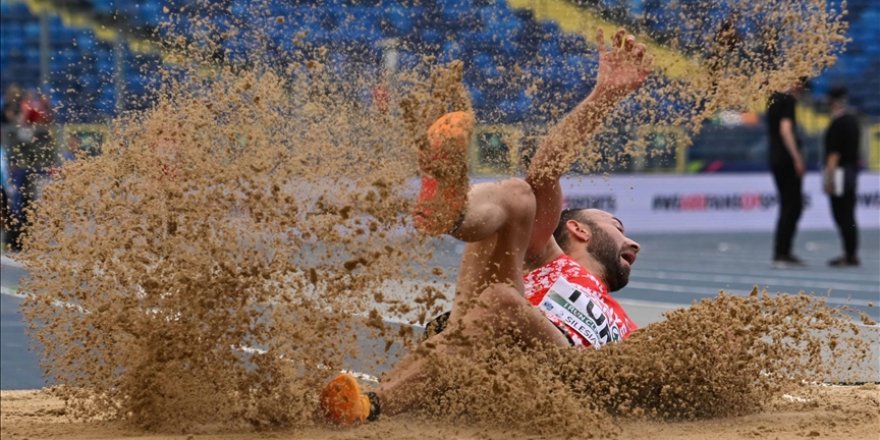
column 10, row 262
column 11, row 292
column 710, row 267
column 741, row 279
column 653, row 304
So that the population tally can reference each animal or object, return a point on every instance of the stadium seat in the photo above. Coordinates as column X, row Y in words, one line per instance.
column 485, row 34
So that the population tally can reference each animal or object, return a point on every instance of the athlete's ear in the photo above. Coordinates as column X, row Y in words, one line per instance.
column 578, row 230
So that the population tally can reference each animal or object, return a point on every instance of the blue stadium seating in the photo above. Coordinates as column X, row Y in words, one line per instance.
column 80, row 81
column 858, row 67
column 488, row 35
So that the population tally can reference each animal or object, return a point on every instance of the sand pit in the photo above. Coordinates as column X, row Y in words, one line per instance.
column 833, row 412
column 237, row 233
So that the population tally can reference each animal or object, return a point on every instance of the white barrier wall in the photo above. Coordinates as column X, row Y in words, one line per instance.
column 712, row 202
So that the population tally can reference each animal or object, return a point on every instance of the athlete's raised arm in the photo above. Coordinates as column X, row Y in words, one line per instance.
column 623, row 68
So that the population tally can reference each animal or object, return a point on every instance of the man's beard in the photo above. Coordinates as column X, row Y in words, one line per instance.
column 602, row 248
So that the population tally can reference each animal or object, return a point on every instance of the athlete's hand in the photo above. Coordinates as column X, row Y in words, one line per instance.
column 624, row 66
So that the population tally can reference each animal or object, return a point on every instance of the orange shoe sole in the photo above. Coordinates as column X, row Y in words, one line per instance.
column 342, row 402
column 443, row 193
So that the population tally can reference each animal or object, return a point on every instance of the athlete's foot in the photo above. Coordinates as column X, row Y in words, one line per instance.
column 441, row 203
column 343, row 403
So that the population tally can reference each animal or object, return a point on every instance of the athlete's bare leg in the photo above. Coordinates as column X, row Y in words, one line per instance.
column 496, row 222
column 489, row 299
column 495, row 219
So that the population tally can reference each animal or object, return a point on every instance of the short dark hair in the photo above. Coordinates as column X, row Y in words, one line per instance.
column 561, row 232
column 837, row 93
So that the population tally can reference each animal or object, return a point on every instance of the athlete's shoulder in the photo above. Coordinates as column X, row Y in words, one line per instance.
column 576, row 273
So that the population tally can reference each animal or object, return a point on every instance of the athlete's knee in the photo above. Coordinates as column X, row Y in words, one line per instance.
column 519, row 198
column 503, row 300
column 512, row 316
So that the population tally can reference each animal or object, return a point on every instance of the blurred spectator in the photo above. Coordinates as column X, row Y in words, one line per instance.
column 11, row 106
column 10, row 117
column 788, row 167
column 4, row 195
column 34, row 109
column 30, row 154
column 841, row 174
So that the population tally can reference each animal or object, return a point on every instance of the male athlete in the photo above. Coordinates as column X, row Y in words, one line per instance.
column 509, row 227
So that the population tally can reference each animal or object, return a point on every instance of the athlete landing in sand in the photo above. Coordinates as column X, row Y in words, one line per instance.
column 509, row 228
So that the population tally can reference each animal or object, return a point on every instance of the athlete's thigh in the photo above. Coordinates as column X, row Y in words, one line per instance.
column 498, row 259
column 502, row 311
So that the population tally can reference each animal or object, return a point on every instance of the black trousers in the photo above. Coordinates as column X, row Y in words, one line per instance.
column 789, row 187
column 844, row 210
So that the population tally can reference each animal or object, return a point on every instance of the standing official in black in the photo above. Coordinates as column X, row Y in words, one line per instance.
column 841, row 174
column 787, row 165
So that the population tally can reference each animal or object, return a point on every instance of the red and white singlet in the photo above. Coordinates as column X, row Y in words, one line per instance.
column 577, row 302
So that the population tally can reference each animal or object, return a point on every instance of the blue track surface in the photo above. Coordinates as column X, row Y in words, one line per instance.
column 681, row 269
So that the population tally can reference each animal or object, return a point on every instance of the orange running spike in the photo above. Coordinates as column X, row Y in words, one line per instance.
column 443, row 194
column 343, row 403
